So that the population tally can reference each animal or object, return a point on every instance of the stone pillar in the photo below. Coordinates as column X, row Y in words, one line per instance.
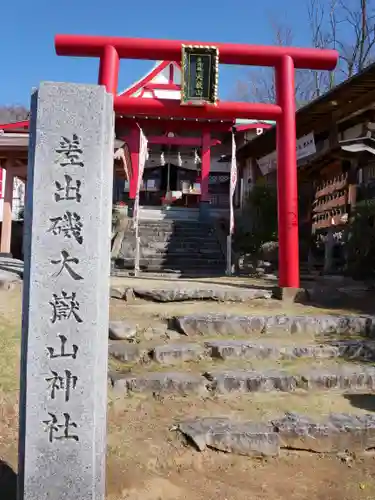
column 6, row 228
column 205, row 173
column 63, row 398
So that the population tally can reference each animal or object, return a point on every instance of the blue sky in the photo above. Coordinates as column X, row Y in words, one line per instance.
column 27, row 54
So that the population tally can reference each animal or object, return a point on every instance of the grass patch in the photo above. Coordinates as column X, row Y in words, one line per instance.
column 10, row 340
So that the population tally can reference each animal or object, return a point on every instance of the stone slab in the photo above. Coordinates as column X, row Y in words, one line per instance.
column 160, row 383
column 175, row 353
column 222, row 324
column 127, row 353
column 341, row 378
column 246, row 349
column 223, row 434
column 11, row 265
column 116, row 293
column 335, row 433
column 122, row 330
column 219, row 294
column 290, row 295
column 63, row 400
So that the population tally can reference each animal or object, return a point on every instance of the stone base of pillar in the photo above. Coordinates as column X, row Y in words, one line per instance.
column 130, row 203
column 290, row 295
column 204, row 210
column 6, row 255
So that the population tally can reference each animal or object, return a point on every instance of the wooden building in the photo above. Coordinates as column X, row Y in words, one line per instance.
column 336, row 157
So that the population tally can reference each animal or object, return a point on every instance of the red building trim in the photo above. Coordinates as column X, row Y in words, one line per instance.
column 176, row 125
column 168, row 108
column 171, row 73
column 158, row 69
column 252, row 126
column 15, row 125
column 174, row 141
column 162, row 86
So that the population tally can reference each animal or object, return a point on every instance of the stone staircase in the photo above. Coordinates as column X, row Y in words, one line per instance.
column 217, row 356
column 188, row 247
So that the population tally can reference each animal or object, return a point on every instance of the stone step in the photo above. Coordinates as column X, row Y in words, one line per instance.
column 182, row 262
column 335, row 433
column 183, row 237
column 187, row 272
column 178, row 246
column 240, row 349
column 343, row 378
column 340, row 378
column 159, row 383
column 165, row 224
column 179, row 226
column 175, row 353
column 175, row 272
column 224, row 324
column 215, row 293
column 188, row 241
column 168, row 252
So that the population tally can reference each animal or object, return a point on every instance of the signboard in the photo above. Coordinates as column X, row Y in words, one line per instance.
column 305, row 147
column 199, row 76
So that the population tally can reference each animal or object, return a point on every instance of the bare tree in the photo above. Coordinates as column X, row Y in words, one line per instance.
column 345, row 25
column 10, row 114
column 356, row 35
column 323, row 27
column 260, row 84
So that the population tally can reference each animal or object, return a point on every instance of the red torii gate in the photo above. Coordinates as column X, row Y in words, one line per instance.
column 284, row 59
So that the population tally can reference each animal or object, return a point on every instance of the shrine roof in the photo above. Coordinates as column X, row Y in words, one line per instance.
column 163, row 81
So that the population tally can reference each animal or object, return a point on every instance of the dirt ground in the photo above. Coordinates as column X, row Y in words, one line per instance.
column 147, row 460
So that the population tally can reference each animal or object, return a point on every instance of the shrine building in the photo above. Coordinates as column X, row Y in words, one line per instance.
column 188, row 163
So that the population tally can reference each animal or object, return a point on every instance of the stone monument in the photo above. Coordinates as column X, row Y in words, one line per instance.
column 63, row 398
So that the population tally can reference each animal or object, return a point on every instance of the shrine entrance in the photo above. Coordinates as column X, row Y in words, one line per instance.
column 199, row 101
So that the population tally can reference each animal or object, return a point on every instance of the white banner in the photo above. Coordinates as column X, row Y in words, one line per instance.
column 232, row 189
column 305, row 147
column 143, row 155
column 233, row 183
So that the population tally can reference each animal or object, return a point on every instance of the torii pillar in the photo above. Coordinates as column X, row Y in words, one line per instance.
column 205, row 173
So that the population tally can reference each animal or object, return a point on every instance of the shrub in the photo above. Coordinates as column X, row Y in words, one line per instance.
column 361, row 241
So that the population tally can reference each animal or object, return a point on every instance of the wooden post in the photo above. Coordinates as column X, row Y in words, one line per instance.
column 206, row 164
column 6, row 229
